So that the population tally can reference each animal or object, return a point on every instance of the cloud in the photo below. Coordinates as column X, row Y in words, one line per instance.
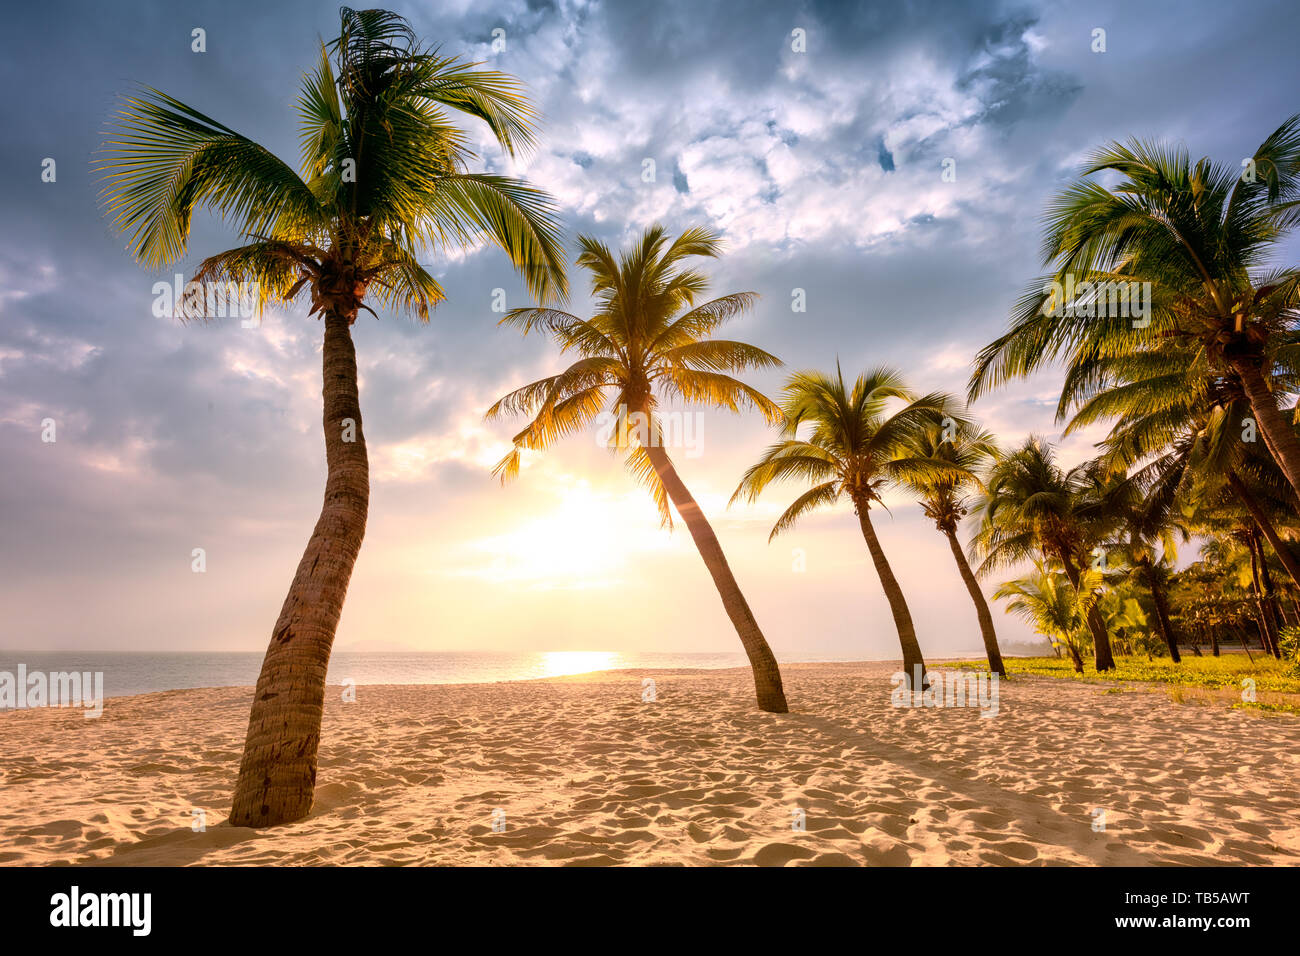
column 823, row 170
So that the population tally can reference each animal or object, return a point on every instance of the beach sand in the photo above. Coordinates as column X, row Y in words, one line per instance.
column 581, row 771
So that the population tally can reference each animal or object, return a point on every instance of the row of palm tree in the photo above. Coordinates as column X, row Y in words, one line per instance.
column 1187, row 389
column 650, row 340
column 1125, row 577
column 1109, row 529
column 384, row 178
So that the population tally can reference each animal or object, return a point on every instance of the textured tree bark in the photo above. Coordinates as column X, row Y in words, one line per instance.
column 1075, row 659
column 981, row 606
column 912, row 659
column 1265, row 525
column 1278, row 434
column 1100, row 639
column 277, row 776
column 767, row 676
column 1163, row 623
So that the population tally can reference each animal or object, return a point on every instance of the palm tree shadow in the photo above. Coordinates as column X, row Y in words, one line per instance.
column 1037, row 820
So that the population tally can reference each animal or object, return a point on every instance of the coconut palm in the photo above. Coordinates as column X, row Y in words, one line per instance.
column 1236, row 555
column 1125, row 616
column 855, row 449
column 1047, row 601
column 1181, row 426
column 945, row 499
column 1197, row 233
column 1146, row 509
column 1032, row 507
column 383, row 177
column 1207, row 597
column 647, row 341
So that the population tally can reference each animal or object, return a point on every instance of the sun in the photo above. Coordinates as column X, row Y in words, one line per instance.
column 559, row 663
column 583, row 542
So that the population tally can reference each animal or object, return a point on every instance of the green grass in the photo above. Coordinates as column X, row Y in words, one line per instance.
column 1216, row 673
column 1267, row 708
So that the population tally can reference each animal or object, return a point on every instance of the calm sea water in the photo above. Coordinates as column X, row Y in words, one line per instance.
column 145, row 673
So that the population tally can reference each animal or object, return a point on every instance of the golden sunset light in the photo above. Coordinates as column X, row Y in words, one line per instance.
column 855, row 434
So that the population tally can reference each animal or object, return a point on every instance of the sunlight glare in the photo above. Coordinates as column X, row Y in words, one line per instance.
column 559, row 663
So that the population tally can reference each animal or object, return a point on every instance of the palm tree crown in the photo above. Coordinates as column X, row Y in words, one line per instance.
column 1196, row 236
column 383, row 177
column 646, row 341
column 856, row 446
column 1033, row 508
column 945, row 496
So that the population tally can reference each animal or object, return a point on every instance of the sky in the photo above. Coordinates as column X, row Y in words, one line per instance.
column 821, row 167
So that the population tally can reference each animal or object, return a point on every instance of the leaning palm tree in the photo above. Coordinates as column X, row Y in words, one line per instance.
column 945, row 499
column 383, row 177
column 1197, row 234
column 1182, row 424
column 1034, row 508
column 649, row 340
column 855, row 450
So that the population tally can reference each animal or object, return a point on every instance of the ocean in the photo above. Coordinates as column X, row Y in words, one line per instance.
column 127, row 673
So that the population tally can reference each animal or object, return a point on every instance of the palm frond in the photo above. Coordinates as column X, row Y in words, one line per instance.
column 815, row 497
column 163, row 159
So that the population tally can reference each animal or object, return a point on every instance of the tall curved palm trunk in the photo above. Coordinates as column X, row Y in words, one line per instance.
column 1163, row 621
column 1102, row 657
column 981, row 606
column 1279, row 436
column 913, row 663
column 1265, row 524
column 767, row 676
column 277, row 776
column 1269, row 597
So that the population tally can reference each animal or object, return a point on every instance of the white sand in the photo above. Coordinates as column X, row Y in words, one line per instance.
column 585, row 772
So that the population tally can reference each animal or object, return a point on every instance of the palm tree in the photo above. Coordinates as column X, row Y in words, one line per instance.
column 1033, row 507
column 855, row 449
column 1156, row 574
column 1047, row 601
column 1237, row 555
column 1197, row 234
column 945, row 499
column 1182, row 424
column 649, row 340
column 1125, row 617
column 383, row 176
column 1145, row 510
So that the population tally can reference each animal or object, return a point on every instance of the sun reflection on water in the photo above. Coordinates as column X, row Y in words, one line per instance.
column 559, row 663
